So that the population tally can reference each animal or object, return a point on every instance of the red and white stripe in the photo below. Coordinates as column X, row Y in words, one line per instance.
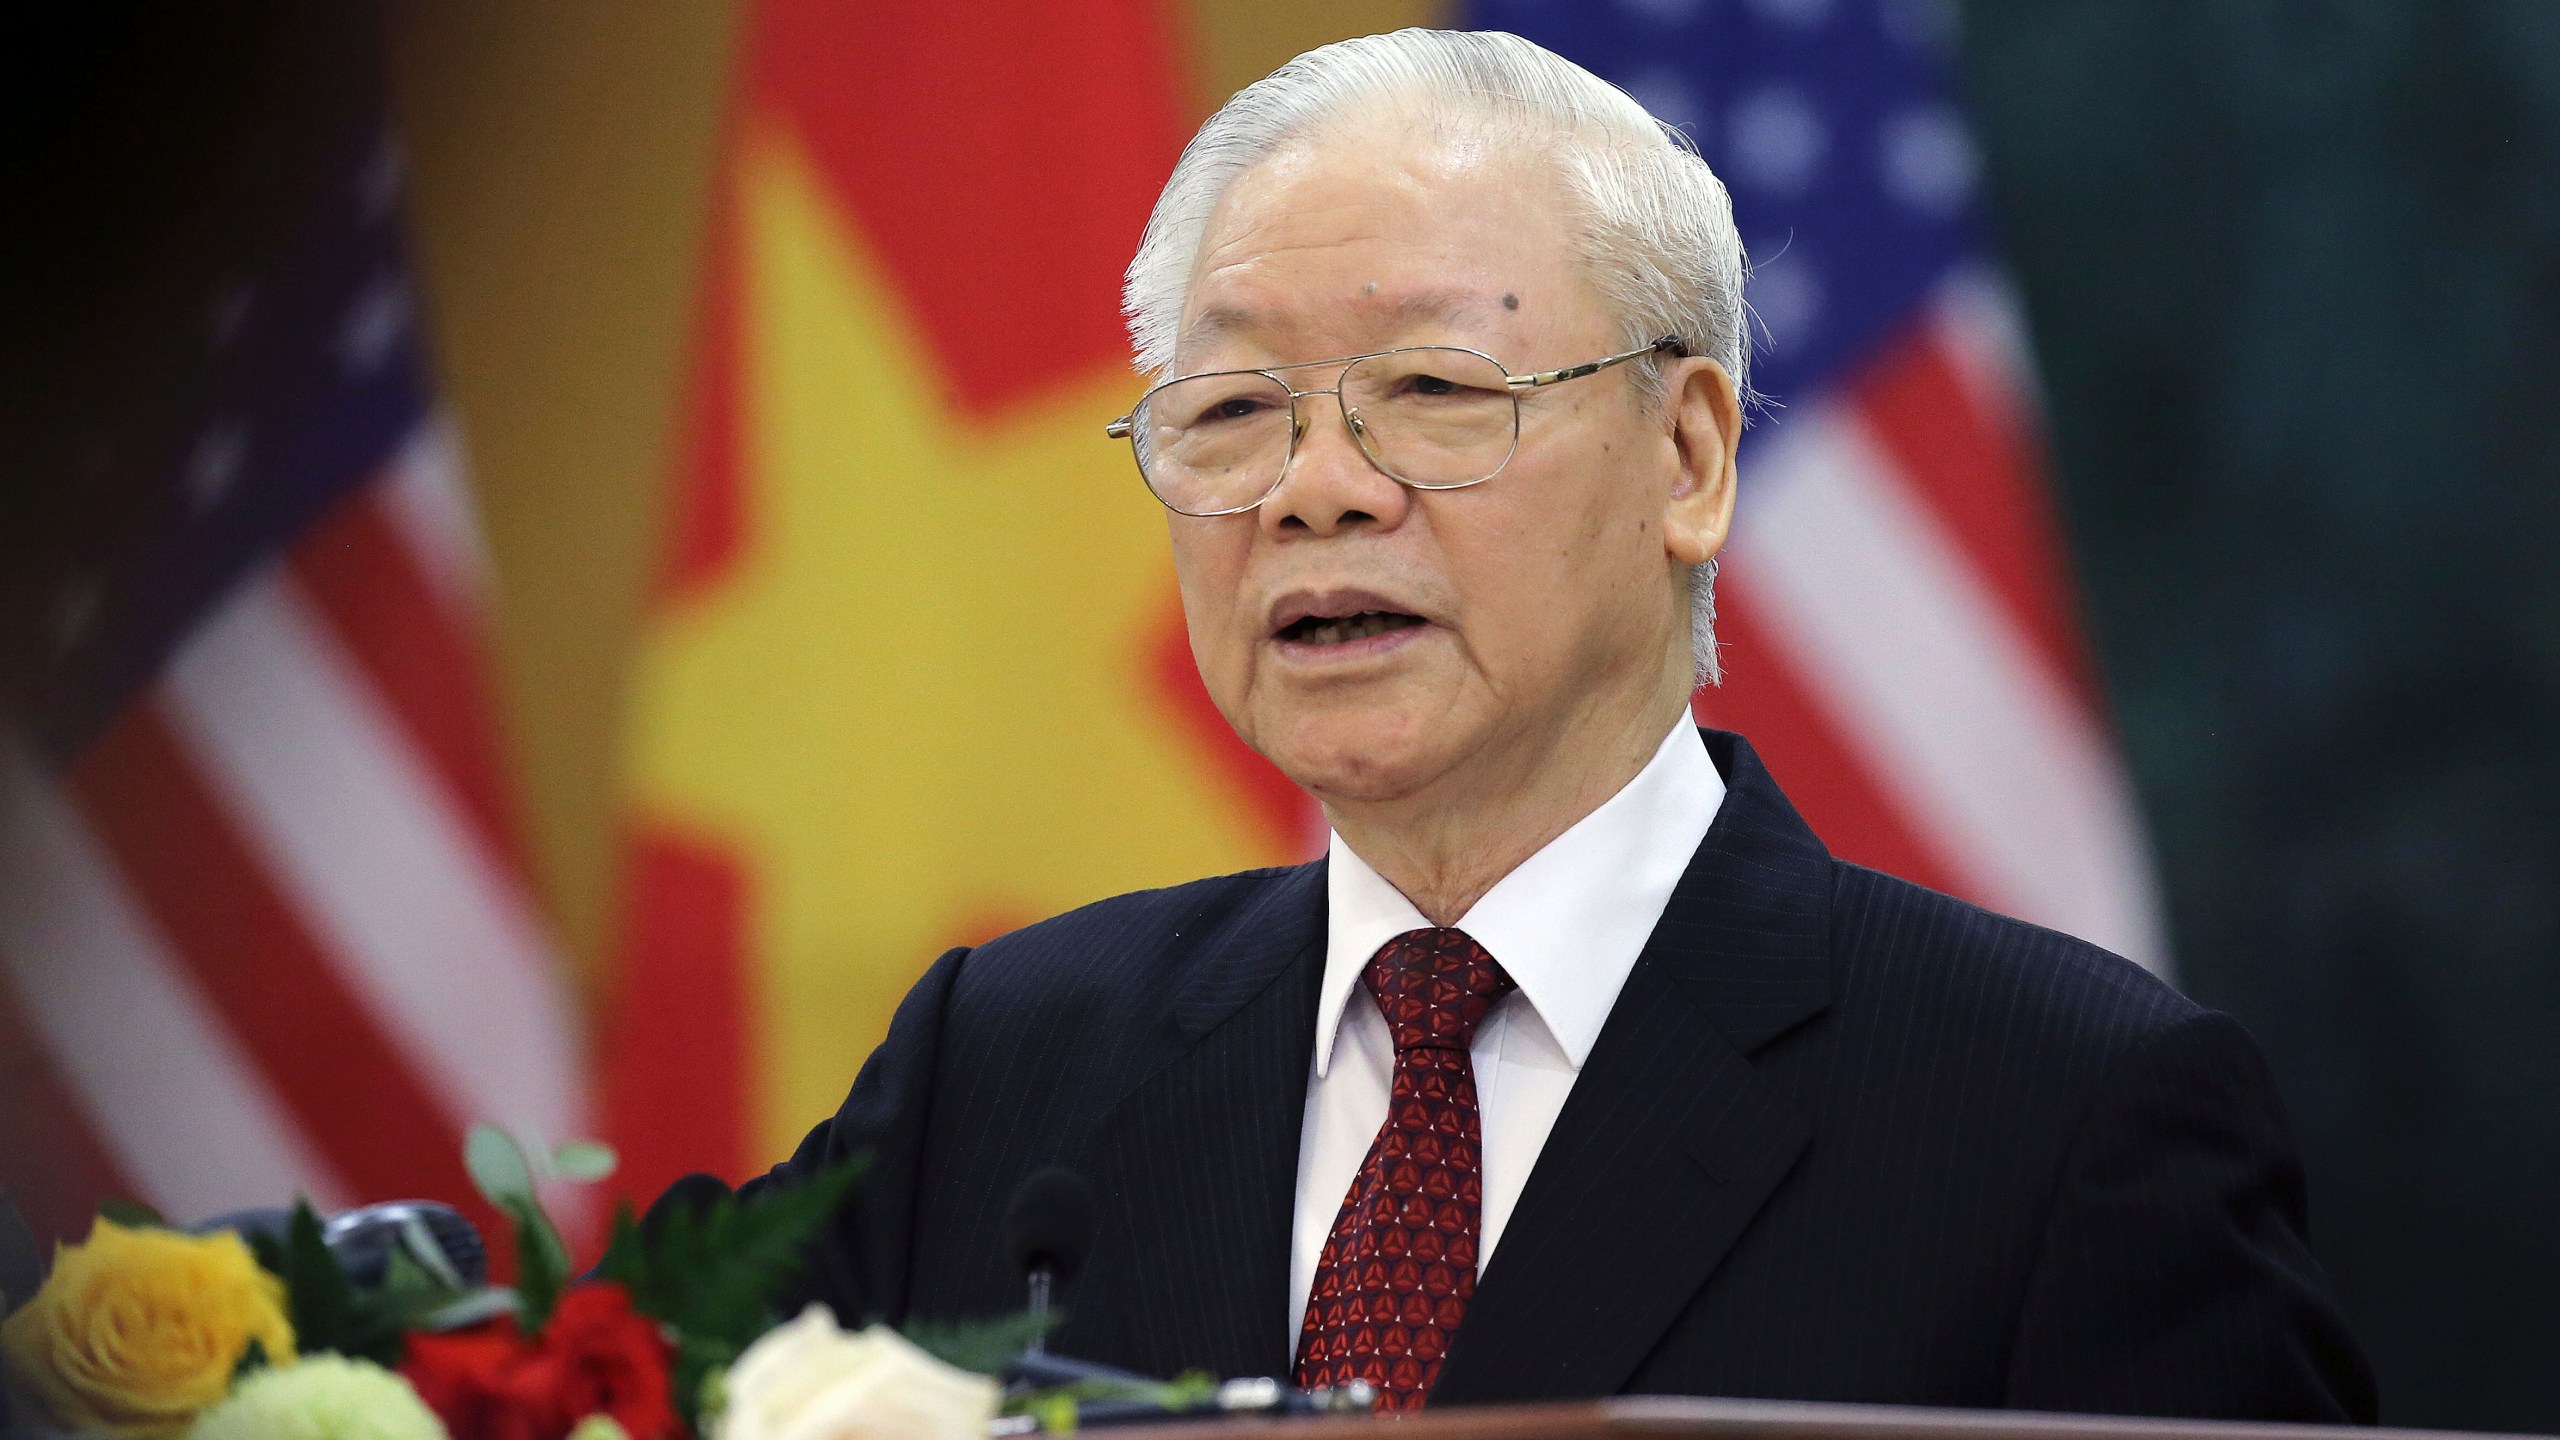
column 1902, row 643
column 272, row 931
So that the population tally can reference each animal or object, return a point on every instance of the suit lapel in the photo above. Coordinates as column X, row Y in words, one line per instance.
column 1671, row 1141
column 1195, row 1170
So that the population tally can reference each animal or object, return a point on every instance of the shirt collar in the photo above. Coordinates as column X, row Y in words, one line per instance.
column 1568, row 922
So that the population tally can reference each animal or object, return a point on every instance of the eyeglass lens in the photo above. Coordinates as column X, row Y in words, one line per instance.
column 1431, row 417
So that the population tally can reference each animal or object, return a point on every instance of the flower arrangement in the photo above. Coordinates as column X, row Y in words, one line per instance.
column 144, row 1332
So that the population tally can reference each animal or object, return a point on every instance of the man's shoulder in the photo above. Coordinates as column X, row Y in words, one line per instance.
column 1193, row 906
column 1900, row 945
column 1136, row 940
column 1919, row 966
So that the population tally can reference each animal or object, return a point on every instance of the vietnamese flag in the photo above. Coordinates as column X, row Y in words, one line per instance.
column 916, row 671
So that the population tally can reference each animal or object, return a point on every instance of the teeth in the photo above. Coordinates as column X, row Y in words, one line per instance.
column 1352, row 627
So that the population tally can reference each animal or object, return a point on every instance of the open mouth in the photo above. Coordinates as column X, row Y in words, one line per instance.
column 1343, row 629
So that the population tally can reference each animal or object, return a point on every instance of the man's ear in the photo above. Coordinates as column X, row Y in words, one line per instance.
column 1706, row 430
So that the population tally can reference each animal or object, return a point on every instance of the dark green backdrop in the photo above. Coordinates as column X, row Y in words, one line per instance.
column 2293, row 272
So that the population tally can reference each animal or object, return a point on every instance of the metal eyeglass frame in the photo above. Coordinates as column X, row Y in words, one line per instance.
column 1125, row 428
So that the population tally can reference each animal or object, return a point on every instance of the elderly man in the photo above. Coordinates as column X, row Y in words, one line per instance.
column 1577, row 1066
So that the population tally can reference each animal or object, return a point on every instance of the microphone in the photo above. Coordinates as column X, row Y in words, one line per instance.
column 435, row 1236
column 1048, row 1228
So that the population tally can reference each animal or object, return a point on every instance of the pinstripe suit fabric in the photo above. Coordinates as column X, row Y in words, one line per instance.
column 1842, row 1138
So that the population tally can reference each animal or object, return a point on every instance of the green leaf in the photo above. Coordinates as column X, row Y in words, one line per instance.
column 715, row 1273
column 587, row 1161
column 420, row 1255
column 985, row 1346
column 622, row 1247
column 467, row 1310
column 410, row 1297
column 1191, row 1387
column 497, row 1166
column 410, row 1292
column 317, row 1293
column 735, row 1258
column 1056, row 1412
column 542, row 1264
column 131, row 1214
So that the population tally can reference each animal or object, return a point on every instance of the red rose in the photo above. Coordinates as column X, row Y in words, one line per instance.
column 614, row 1361
column 475, row 1382
column 597, row 1356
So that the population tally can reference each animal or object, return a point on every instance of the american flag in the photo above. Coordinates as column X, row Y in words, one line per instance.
column 1901, row 638
column 265, row 927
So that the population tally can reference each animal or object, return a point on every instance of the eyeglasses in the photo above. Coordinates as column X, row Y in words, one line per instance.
column 1433, row 417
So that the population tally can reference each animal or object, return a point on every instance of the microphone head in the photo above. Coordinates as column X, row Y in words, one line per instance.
column 1049, row 1225
column 434, row 1235
column 428, row 1231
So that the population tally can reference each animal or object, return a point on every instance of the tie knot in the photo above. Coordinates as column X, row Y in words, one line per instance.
column 1435, row 986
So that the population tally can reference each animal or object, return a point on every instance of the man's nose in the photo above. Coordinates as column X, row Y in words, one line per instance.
column 1329, row 484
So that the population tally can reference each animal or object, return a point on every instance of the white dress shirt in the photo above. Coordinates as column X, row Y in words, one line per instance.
column 1567, row 925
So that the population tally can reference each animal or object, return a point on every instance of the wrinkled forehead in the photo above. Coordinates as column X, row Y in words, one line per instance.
column 1383, row 232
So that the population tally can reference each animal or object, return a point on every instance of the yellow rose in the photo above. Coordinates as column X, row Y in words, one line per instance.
column 137, row 1330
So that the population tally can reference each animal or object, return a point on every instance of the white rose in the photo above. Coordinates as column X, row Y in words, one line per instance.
column 810, row 1380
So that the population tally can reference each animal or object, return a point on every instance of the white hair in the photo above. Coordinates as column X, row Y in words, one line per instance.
column 1654, row 225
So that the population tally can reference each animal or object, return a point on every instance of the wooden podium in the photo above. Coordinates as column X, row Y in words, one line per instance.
column 1669, row 1418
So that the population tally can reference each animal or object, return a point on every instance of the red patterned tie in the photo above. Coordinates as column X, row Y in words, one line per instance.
column 1400, row 1265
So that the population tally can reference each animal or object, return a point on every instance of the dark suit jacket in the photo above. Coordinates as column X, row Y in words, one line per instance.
column 1842, row 1138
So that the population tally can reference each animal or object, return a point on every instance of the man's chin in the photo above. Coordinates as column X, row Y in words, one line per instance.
column 1355, row 760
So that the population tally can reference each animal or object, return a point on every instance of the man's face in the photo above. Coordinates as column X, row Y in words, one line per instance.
column 1497, row 622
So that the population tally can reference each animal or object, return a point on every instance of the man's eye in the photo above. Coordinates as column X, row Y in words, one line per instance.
column 1423, row 385
column 1237, row 407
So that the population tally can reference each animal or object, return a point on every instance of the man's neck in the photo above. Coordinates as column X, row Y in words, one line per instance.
column 1445, row 847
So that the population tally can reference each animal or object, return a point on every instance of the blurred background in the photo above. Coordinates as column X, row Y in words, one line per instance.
column 553, row 556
